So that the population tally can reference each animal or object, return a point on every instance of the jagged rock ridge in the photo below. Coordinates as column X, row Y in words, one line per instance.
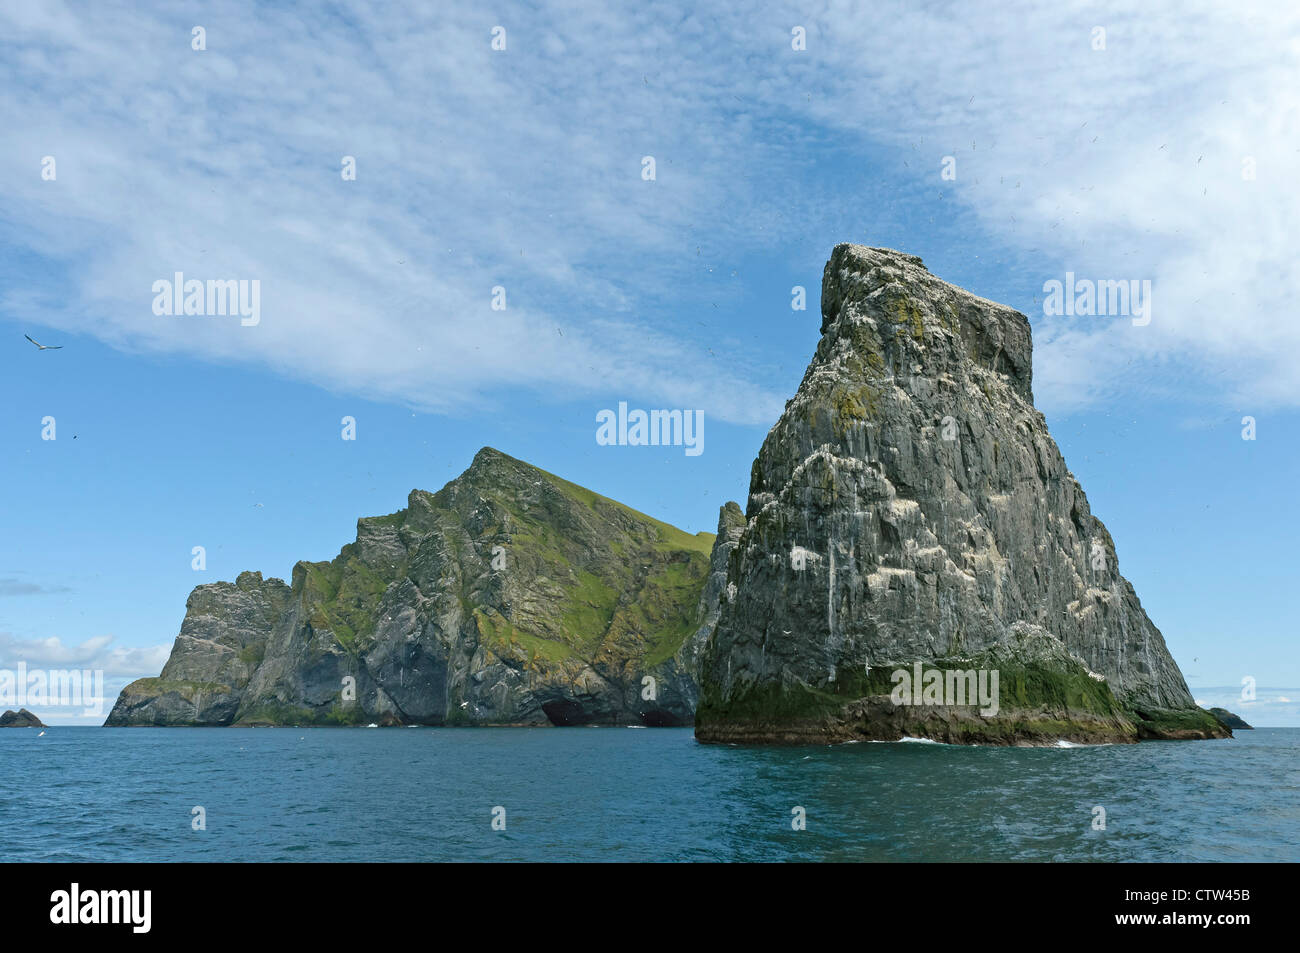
column 910, row 505
column 510, row 596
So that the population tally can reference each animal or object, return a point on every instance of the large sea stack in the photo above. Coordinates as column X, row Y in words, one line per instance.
column 909, row 512
column 509, row 597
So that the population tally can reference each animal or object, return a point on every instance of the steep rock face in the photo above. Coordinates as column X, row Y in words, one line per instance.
column 508, row 597
column 910, row 505
column 731, row 523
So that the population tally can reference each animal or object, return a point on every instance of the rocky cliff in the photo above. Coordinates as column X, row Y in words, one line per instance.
column 909, row 512
column 510, row 596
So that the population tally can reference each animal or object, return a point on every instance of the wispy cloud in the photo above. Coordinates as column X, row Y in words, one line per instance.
column 523, row 169
column 1132, row 161
column 475, row 169
column 17, row 587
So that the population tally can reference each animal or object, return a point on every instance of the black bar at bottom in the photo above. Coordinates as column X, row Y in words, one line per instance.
column 367, row 902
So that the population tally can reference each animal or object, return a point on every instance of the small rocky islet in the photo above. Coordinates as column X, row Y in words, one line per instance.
column 909, row 512
column 22, row 718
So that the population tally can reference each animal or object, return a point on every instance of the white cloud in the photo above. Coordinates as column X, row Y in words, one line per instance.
column 112, row 666
column 1265, row 710
column 97, row 654
column 523, row 169
column 1122, row 163
column 475, row 169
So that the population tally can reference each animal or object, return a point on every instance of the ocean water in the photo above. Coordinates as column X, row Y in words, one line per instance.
column 619, row 794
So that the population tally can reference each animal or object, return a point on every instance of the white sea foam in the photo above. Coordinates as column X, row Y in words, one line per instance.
column 1074, row 744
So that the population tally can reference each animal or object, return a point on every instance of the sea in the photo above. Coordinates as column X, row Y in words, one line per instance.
column 632, row 794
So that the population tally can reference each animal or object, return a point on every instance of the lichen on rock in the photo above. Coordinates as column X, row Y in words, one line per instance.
column 510, row 596
column 913, row 465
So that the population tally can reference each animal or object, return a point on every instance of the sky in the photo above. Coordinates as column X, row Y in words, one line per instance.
column 503, row 266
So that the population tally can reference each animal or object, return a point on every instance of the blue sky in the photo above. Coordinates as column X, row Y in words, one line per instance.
column 522, row 168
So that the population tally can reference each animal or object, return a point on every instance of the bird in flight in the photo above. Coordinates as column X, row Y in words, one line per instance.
column 45, row 347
